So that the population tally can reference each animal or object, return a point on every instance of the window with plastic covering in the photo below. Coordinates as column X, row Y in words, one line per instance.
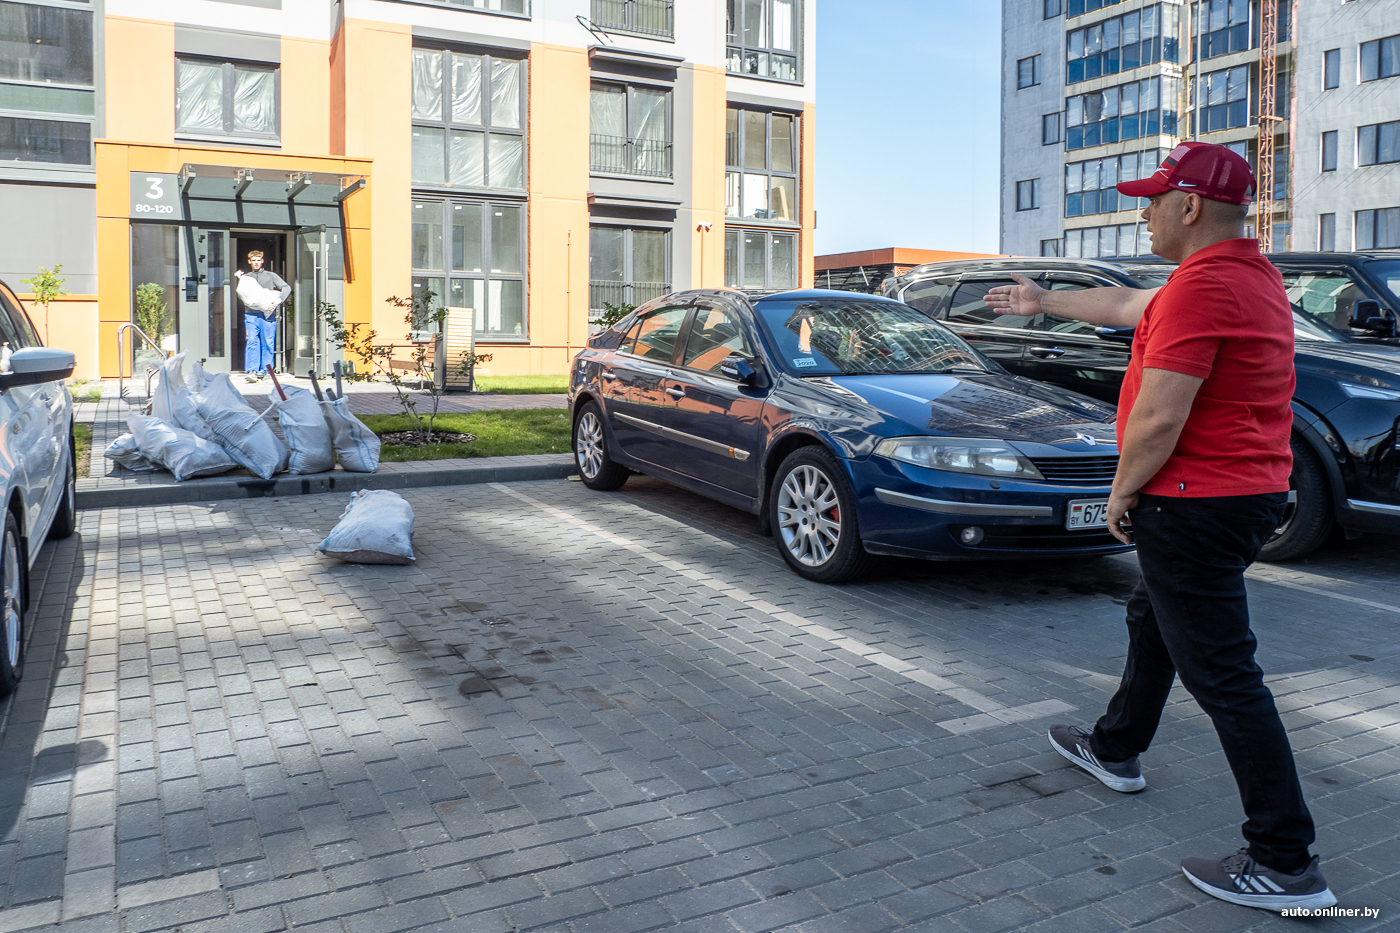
column 214, row 98
column 468, row 120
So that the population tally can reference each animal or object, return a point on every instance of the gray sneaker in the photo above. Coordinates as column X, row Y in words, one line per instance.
column 1072, row 743
column 1241, row 880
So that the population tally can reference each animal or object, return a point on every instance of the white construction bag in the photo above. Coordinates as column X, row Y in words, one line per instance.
column 254, row 296
column 239, row 429
column 375, row 528
column 170, row 398
column 124, row 451
column 355, row 444
column 183, row 453
column 306, row 432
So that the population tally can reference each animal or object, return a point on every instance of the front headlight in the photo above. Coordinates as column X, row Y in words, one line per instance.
column 1360, row 391
column 960, row 455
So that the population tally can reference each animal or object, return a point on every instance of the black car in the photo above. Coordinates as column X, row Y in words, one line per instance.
column 851, row 424
column 1346, row 408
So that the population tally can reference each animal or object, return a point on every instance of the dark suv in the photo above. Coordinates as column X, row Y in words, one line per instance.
column 1346, row 409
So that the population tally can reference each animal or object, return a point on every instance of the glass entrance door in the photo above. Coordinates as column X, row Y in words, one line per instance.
column 207, row 327
column 319, row 281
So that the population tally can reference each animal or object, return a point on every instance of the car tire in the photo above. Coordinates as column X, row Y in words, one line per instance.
column 65, row 521
column 1308, row 520
column 13, row 575
column 595, row 466
column 812, row 511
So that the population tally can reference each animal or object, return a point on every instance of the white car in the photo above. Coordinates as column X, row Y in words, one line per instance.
column 37, row 466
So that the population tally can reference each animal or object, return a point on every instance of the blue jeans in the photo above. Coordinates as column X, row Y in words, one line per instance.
column 261, row 335
column 1189, row 616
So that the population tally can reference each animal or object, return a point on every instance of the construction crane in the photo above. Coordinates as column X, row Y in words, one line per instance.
column 1268, row 81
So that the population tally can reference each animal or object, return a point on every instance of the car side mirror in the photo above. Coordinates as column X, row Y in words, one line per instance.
column 33, row 365
column 1115, row 334
column 737, row 368
column 1366, row 314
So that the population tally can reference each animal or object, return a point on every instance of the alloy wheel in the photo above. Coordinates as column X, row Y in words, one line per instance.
column 809, row 516
column 10, row 604
column 588, row 444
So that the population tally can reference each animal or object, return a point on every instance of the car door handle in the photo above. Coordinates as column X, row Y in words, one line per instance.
column 611, row 377
column 676, row 392
column 1048, row 353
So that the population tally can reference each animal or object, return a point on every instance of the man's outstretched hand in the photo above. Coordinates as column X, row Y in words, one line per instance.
column 1022, row 299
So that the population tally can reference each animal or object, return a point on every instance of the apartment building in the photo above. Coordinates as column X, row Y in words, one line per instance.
column 1096, row 91
column 525, row 161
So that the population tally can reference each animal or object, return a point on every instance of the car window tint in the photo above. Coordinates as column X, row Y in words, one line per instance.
column 657, row 333
column 969, row 306
column 715, row 335
column 15, row 328
column 1327, row 296
column 928, row 296
column 1064, row 325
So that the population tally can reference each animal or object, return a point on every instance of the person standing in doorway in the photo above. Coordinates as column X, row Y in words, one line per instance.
column 260, row 327
column 1204, row 422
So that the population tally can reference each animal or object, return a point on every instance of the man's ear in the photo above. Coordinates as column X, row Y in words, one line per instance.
column 1192, row 208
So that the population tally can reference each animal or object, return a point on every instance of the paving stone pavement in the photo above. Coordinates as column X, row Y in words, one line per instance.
column 620, row 712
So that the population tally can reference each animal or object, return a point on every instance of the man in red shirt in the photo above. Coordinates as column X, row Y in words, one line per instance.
column 1204, row 422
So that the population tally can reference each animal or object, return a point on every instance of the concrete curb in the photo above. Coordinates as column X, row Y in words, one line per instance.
column 487, row 470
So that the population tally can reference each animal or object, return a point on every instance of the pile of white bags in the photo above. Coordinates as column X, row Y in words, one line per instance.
column 375, row 528
column 355, row 444
column 306, row 431
column 241, row 431
column 182, row 452
column 126, row 452
column 254, row 296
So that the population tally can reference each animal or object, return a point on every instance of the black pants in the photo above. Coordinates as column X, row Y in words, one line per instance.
column 1189, row 616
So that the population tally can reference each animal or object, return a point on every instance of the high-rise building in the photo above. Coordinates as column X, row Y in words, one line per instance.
column 1096, row 91
column 525, row 161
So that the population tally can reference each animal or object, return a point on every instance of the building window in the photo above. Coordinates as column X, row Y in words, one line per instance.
column 1327, row 233
column 1223, row 27
column 757, row 259
column 519, row 7
column 1090, row 186
column 1028, row 194
column 1138, row 38
column 646, row 17
column 1378, row 229
column 471, row 254
column 47, row 95
column 1224, row 97
column 626, row 266
column 1380, row 59
column 631, row 127
column 226, row 99
column 1129, row 111
column 762, row 38
column 468, row 120
column 1329, row 151
column 1052, row 9
column 1028, row 72
column 1080, row 7
column 1050, row 129
column 761, row 159
column 1378, row 143
column 1331, row 69
column 1108, row 242
column 1050, row 247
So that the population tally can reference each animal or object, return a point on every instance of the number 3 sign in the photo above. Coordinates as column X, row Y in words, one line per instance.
column 155, row 196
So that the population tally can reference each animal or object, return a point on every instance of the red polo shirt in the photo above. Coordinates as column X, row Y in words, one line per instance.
column 1222, row 316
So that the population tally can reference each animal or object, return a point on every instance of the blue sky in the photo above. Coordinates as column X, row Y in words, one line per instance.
column 908, row 124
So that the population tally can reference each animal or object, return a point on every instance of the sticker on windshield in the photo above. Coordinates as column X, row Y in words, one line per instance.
column 803, row 362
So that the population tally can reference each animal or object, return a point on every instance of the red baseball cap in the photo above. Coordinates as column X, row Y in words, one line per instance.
column 1206, row 169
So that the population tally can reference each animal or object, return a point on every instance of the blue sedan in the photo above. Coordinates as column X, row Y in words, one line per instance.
column 852, row 425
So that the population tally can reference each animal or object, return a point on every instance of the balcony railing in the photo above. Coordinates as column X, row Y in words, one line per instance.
column 621, row 293
column 625, row 156
column 648, row 17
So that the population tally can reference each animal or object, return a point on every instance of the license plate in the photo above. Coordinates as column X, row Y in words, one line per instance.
column 1087, row 513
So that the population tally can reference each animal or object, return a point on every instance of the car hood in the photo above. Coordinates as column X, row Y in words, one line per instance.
column 977, row 405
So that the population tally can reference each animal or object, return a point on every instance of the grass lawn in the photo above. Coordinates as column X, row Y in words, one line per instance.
column 82, row 438
column 498, row 434
column 82, row 392
column 522, row 385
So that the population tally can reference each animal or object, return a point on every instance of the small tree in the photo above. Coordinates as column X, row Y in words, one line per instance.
column 46, row 286
column 152, row 312
column 613, row 313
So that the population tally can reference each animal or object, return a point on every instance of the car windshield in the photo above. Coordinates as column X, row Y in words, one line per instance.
column 1387, row 272
column 858, row 336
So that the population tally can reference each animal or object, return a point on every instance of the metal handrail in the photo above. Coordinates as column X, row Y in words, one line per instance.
column 121, row 359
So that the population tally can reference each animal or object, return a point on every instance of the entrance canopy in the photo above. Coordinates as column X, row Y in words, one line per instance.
column 222, row 195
